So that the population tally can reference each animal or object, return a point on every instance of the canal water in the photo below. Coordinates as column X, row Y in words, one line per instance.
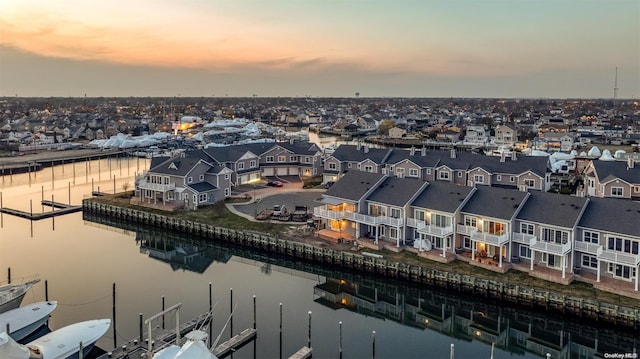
column 81, row 258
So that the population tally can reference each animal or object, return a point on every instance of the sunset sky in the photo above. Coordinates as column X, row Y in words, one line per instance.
column 414, row 48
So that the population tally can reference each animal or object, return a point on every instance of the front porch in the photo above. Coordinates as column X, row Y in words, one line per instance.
column 436, row 255
column 609, row 284
column 334, row 236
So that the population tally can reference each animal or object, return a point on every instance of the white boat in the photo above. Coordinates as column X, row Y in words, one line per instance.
column 65, row 342
column 9, row 349
column 27, row 319
column 11, row 295
column 194, row 348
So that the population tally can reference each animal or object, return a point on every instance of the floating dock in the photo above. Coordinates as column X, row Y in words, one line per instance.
column 61, row 209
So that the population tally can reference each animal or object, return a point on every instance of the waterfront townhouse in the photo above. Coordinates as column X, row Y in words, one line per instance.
column 189, row 180
column 243, row 163
column 544, row 233
column 608, row 242
column 418, row 164
column 353, row 157
column 291, row 158
column 615, row 179
column 485, row 223
column 432, row 218
column 344, row 206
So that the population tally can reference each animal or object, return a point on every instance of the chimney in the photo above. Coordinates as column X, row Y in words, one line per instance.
column 630, row 163
column 513, row 155
column 366, row 149
column 453, row 153
column 503, row 156
column 424, row 151
column 291, row 141
column 358, row 146
column 413, row 150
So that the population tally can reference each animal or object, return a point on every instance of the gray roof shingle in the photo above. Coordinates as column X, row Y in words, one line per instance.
column 353, row 185
column 612, row 215
column 396, row 191
column 494, row 202
column 442, row 196
column 608, row 170
column 553, row 209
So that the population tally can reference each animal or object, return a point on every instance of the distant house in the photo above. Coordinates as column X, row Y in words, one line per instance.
column 506, row 135
column 615, row 179
column 396, row 132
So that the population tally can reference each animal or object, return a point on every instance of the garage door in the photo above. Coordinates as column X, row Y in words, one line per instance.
column 267, row 172
column 244, row 179
column 293, row 171
column 282, row 171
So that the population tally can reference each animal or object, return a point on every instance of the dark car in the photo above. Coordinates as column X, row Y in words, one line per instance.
column 274, row 183
column 328, row 184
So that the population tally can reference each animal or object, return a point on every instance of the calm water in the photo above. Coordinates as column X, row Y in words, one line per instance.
column 82, row 257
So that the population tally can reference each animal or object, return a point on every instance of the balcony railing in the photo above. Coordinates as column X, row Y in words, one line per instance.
column 156, row 186
column 550, row 247
column 489, row 238
column 586, row 247
column 462, row 229
column 413, row 222
column 434, row 230
column 322, row 212
column 618, row 257
column 522, row 238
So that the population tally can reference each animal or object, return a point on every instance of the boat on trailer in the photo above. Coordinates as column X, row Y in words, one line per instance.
column 11, row 295
column 27, row 319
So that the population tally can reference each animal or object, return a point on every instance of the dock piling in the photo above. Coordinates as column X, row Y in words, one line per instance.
column 231, row 312
column 115, row 344
column 46, row 290
column 9, row 275
column 280, row 330
column 80, row 351
column 142, row 334
column 340, row 341
column 373, row 344
column 451, row 351
column 309, row 336
column 163, row 312
column 254, row 312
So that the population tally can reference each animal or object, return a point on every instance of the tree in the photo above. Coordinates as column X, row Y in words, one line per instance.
column 385, row 125
column 125, row 186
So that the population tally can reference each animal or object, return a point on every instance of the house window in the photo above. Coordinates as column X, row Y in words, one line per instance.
column 428, row 171
column 252, row 163
column 555, row 236
column 440, row 220
column 332, row 165
column 393, row 232
column 148, row 193
column 189, row 179
column 358, row 166
column 499, row 177
column 622, row 245
column 443, row 175
column 466, row 242
column 459, row 173
column 616, row 191
column 307, row 159
column 478, row 178
column 269, row 159
column 470, row 221
column 636, row 189
column 589, row 261
column 621, row 271
column 170, row 195
column 418, row 214
column 413, row 172
column 165, row 180
column 526, row 228
column 282, row 158
column 226, row 192
column 241, row 165
column 512, row 179
column 292, row 159
column 201, row 177
column 202, row 198
column 349, row 164
column 525, row 252
column 590, row 237
column 394, row 212
column 530, row 183
column 368, row 168
column 226, row 176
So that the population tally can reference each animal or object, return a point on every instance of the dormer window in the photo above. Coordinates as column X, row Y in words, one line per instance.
column 173, row 166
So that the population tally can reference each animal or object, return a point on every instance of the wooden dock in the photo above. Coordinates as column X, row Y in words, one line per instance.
column 235, row 343
column 61, row 209
column 303, row 353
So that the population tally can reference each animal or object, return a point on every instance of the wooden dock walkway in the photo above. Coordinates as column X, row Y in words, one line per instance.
column 303, row 353
column 62, row 209
column 235, row 343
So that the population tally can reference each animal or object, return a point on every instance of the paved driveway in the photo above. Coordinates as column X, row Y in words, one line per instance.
column 290, row 199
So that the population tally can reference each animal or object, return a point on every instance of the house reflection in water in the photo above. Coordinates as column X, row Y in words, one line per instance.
column 515, row 330
column 179, row 253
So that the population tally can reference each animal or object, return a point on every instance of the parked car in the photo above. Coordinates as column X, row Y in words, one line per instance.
column 328, row 184
column 274, row 183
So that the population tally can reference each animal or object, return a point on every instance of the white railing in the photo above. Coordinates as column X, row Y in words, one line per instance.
column 435, row 231
column 586, row 247
column 522, row 238
column 462, row 229
column 322, row 212
column 488, row 238
column 413, row 222
column 550, row 247
column 156, row 186
column 619, row 257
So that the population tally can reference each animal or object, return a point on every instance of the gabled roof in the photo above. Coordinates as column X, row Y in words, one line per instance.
column 442, row 196
column 226, row 154
column 427, row 161
column 354, row 184
column 609, row 170
column 613, row 215
column 177, row 166
column 494, row 202
column 553, row 209
column 396, row 191
column 352, row 154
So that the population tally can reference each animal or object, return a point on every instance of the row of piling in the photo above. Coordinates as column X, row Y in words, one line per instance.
column 488, row 288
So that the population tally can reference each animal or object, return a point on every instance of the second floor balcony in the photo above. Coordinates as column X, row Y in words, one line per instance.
column 550, row 247
column 489, row 238
column 144, row 184
column 618, row 257
column 429, row 229
column 586, row 247
column 523, row 238
column 324, row 212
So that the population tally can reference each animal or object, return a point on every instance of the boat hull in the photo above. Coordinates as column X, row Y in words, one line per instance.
column 27, row 319
column 65, row 342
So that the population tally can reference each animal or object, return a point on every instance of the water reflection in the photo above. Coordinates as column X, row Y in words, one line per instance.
column 513, row 329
